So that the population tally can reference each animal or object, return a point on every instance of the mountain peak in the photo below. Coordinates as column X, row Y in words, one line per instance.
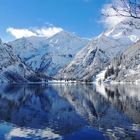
column 129, row 29
column 65, row 34
column 101, row 50
column 48, row 55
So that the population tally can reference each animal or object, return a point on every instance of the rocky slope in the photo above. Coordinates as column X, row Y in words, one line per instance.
column 48, row 55
column 126, row 68
column 11, row 67
column 101, row 50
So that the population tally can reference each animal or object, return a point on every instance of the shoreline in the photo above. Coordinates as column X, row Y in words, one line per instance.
column 73, row 82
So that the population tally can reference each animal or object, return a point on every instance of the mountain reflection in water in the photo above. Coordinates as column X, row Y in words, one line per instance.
column 69, row 112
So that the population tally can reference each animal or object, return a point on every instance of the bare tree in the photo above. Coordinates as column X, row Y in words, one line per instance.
column 126, row 8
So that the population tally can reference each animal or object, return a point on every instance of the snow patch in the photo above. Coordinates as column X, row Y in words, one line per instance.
column 99, row 78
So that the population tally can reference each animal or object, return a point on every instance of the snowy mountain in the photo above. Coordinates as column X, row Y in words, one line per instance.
column 11, row 67
column 48, row 55
column 126, row 68
column 101, row 50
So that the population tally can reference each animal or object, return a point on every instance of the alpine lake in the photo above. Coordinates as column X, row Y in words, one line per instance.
column 69, row 112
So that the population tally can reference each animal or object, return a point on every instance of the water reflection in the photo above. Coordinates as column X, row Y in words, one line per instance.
column 71, row 112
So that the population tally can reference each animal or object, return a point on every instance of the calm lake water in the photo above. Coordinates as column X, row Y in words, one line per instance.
column 69, row 112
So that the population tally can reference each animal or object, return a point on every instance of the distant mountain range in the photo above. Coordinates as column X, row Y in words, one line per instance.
column 69, row 57
column 48, row 55
column 100, row 51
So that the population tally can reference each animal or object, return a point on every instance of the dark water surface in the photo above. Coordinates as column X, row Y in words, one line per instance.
column 69, row 112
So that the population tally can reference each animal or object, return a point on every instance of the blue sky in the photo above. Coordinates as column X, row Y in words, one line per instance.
column 79, row 16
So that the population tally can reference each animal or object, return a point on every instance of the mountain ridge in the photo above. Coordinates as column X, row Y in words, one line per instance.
column 48, row 55
column 98, row 54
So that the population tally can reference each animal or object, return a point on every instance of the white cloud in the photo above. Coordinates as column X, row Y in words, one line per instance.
column 18, row 33
column 48, row 32
column 113, row 19
column 42, row 32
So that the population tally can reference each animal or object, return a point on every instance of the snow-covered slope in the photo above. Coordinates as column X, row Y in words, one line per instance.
column 101, row 50
column 48, row 55
column 126, row 68
column 11, row 67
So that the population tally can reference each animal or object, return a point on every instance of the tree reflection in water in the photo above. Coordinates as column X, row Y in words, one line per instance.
column 70, row 111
